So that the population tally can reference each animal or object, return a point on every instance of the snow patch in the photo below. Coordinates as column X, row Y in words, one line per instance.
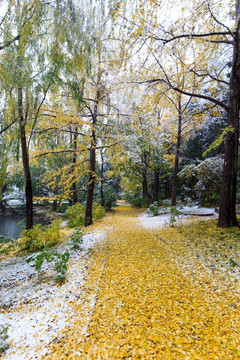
column 41, row 309
column 164, row 218
column 196, row 211
column 149, row 221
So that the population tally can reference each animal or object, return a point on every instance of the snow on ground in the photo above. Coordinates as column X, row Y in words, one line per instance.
column 196, row 211
column 36, row 308
column 164, row 218
column 14, row 202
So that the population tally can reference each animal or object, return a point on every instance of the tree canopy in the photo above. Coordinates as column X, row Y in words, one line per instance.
column 106, row 97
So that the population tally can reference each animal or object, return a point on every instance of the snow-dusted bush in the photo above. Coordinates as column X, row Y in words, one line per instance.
column 153, row 209
column 76, row 238
column 202, row 181
column 4, row 343
column 58, row 259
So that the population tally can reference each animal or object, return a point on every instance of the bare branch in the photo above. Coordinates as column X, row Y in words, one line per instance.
column 200, row 96
column 195, row 36
column 41, row 103
column 211, row 77
column 9, row 42
column 55, row 152
column 219, row 22
column 8, row 126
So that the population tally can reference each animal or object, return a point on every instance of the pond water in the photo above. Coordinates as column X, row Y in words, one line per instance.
column 11, row 226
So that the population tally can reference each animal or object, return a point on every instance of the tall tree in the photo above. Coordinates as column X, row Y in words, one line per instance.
column 32, row 75
column 207, row 37
column 227, row 207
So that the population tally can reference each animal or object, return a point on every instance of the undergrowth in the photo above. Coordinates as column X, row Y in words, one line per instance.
column 218, row 248
column 39, row 237
column 59, row 259
column 76, row 214
column 4, row 344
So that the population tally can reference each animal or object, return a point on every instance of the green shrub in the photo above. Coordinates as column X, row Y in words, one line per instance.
column 174, row 215
column 76, row 238
column 136, row 202
column 98, row 211
column 4, row 344
column 59, row 260
column 52, row 234
column 39, row 236
column 110, row 198
column 33, row 239
column 76, row 214
column 153, row 209
column 5, row 239
column 8, row 247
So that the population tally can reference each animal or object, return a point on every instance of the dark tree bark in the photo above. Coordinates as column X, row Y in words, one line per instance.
column 176, row 162
column 146, row 195
column 74, row 161
column 25, row 160
column 54, row 205
column 91, row 179
column 92, row 159
column 101, row 182
column 156, row 185
column 24, row 148
column 227, row 207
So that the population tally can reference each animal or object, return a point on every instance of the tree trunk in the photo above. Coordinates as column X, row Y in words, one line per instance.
column 176, row 163
column 91, row 180
column 74, row 161
column 101, row 182
column 146, row 195
column 156, row 185
column 54, row 205
column 92, row 167
column 227, row 207
column 26, row 167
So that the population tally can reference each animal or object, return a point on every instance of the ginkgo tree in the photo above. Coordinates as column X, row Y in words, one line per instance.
column 82, row 107
column 24, row 19
column 207, row 32
column 34, row 63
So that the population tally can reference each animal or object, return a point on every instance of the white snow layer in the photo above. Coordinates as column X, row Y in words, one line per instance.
column 164, row 219
column 40, row 310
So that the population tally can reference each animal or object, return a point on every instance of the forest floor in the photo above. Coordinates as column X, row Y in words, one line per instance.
column 138, row 290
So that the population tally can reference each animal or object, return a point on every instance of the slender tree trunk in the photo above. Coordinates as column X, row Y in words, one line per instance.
column 74, row 161
column 91, row 180
column 156, row 185
column 25, row 160
column 92, row 167
column 146, row 195
column 227, row 207
column 101, row 182
column 176, row 163
column 54, row 205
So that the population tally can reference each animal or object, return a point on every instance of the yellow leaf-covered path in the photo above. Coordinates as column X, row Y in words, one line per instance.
column 146, row 305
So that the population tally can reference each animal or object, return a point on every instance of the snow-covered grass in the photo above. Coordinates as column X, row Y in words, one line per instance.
column 186, row 213
column 36, row 308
